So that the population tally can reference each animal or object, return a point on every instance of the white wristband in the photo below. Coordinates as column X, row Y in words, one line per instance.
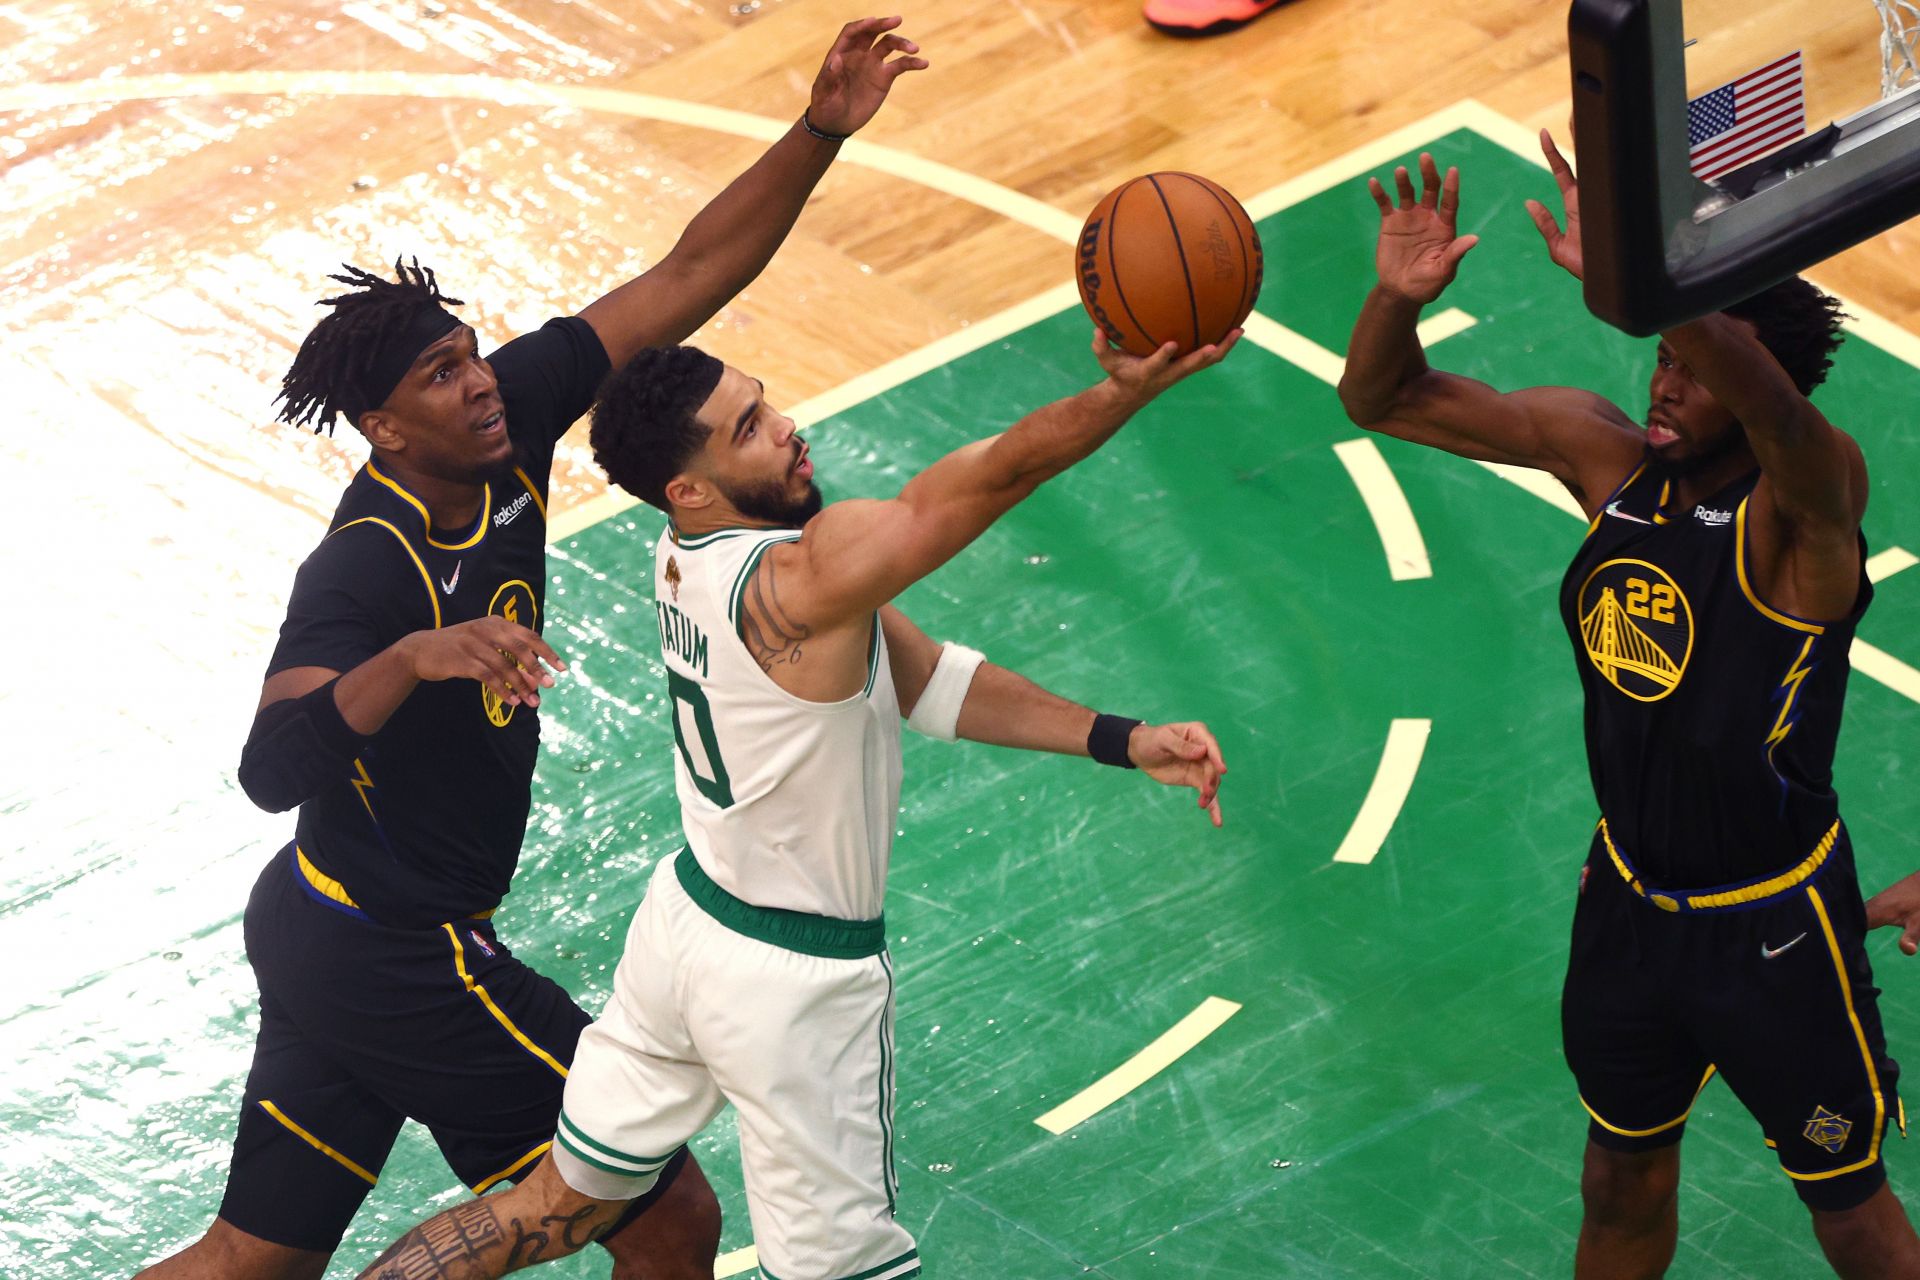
column 937, row 714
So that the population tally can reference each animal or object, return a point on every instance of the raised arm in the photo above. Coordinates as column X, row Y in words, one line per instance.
column 731, row 240
column 989, row 703
column 1579, row 438
column 1814, row 477
column 856, row 556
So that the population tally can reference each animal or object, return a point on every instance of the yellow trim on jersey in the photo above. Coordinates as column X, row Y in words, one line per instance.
column 266, row 1105
column 485, row 1185
column 1866, row 1055
column 322, row 882
column 1746, row 588
column 480, row 530
column 532, row 492
column 1659, row 1128
column 499, row 1015
column 1666, row 488
column 1716, row 900
column 426, row 579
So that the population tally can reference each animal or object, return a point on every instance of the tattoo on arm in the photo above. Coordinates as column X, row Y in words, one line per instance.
column 469, row 1240
column 770, row 632
column 442, row 1247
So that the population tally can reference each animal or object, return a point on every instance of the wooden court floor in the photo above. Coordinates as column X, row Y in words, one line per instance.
column 1385, row 1096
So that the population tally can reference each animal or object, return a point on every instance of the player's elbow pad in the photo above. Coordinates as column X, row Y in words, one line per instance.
column 937, row 713
column 297, row 747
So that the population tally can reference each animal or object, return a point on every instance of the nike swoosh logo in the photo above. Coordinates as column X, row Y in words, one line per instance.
column 1767, row 953
column 1613, row 509
column 448, row 584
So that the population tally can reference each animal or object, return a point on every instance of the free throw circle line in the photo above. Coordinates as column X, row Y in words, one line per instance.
column 1141, row 1067
column 1406, row 744
column 1386, row 502
column 507, row 91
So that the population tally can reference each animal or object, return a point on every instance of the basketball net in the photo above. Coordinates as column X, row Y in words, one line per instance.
column 1899, row 29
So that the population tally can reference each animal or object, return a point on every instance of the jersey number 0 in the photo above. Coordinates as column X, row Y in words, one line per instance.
column 700, row 749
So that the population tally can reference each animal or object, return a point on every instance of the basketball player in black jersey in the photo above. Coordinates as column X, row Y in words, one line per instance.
column 400, row 716
column 1719, row 926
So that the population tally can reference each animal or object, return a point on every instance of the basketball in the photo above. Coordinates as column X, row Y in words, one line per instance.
column 1168, row 257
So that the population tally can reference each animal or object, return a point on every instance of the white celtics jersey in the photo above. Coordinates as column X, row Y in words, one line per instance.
column 786, row 803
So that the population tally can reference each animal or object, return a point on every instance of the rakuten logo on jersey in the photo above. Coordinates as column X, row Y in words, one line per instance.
column 506, row 514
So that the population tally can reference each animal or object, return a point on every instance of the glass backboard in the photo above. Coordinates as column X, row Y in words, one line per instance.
column 1685, row 210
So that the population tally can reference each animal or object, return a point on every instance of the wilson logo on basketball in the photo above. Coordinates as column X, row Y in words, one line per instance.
column 1090, row 282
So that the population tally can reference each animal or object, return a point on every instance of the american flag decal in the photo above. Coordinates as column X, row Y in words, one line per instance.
column 1738, row 122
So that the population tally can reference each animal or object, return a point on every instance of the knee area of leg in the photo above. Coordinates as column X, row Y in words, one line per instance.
column 1621, row 1186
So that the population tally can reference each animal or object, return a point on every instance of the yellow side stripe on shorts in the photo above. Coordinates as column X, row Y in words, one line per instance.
column 1866, row 1055
column 266, row 1105
column 499, row 1015
column 485, row 1185
column 1659, row 1128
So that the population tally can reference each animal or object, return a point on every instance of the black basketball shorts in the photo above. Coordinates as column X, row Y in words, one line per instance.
column 1777, row 998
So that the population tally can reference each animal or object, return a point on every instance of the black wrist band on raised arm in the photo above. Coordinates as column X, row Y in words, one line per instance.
column 1107, row 740
column 807, row 124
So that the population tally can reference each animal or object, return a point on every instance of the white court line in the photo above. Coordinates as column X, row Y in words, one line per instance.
column 1885, row 564
column 1387, row 504
column 735, row 1263
column 1301, row 352
column 1141, row 1067
column 1406, row 744
column 1438, row 328
column 1874, row 661
column 509, row 92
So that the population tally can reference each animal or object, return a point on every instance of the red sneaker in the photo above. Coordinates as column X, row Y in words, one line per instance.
column 1204, row 17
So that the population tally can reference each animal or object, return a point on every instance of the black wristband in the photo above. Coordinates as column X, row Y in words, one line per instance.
column 807, row 124
column 1107, row 740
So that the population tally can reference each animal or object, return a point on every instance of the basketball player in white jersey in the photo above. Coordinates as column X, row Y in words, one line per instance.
column 756, row 968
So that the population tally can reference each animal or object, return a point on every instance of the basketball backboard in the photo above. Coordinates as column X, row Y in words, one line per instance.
column 1685, row 213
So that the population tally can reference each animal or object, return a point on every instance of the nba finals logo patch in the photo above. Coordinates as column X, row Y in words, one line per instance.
column 1827, row 1130
column 514, row 602
column 673, row 576
column 1636, row 627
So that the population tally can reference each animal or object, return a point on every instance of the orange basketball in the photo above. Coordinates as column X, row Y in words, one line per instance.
column 1168, row 257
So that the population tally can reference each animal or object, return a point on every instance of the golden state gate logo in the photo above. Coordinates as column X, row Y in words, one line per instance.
column 514, row 602
column 1637, row 628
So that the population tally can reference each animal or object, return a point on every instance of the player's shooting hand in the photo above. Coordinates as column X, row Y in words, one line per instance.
column 508, row 659
column 1562, row 246
column 1898, row 906
column 1181, row 755
column 1420, row 246
column 856, row 76
column 1144, row 377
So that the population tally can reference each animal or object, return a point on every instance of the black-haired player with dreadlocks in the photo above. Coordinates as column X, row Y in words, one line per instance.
column 399, row 716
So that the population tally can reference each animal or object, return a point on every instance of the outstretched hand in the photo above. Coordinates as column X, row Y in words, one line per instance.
column 1898, row 907
column 1562, row 246
column 855, row 78
column 1420, row 246
column 511, row 661
column 1145, row 377
column 1181, row 755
